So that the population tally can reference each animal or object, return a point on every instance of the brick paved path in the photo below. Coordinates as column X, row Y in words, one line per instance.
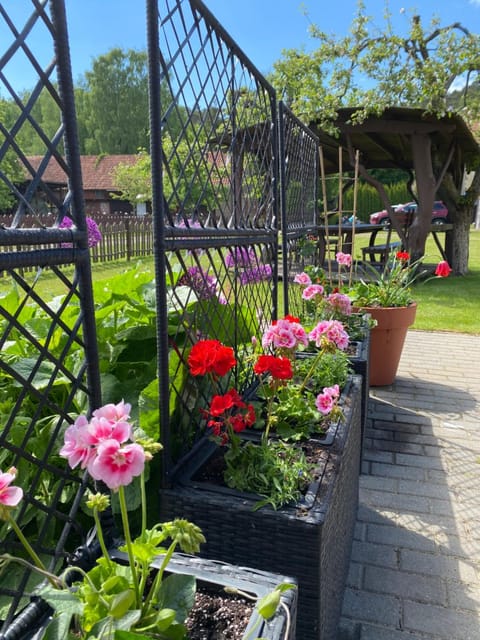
column 415, row 569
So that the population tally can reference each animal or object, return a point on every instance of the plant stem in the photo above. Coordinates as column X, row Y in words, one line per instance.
column 144, row 503
column 311, row 370
column 158, row 578
column 29, row 549
column 128, row 541
column 101, row 539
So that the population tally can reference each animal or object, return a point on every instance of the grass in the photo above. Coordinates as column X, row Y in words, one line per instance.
column 453, row 303
column 444, row 304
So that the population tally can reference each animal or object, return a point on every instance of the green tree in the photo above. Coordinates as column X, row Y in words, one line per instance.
column 112, row 103
column 45, row 113
column 372, row 70
column 134, row 181
column 10, row 169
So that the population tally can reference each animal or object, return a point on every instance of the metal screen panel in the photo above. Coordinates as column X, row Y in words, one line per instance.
column 299, row 171
column 214, row 166
column 48, row 353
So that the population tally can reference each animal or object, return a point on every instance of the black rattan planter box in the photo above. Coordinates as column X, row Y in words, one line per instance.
column 360, row 365
column 311, row 544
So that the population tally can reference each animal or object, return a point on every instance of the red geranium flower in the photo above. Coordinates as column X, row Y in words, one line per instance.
column 443, row 269
column 278, row 367
column 210, row 356
column 404, row 256
column 225, row 415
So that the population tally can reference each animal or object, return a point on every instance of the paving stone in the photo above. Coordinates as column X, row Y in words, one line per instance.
column 442, row 622
column 366, row 513
column 464, row 596
column 447, row 567
column 372, row 482
column 355, row 575
column 370, row 632
column 395, row 471
column 395, row 501
column 378, row 456
column 372, row 607
column 398, row 537
column 424, row 462
column 375, row 554
column 403, row 584
column 428, row 489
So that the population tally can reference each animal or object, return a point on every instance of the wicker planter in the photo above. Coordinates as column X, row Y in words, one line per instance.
column 360, row 364
column 311, row 542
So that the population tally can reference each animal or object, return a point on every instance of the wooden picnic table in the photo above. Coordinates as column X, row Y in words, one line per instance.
column 332, row 233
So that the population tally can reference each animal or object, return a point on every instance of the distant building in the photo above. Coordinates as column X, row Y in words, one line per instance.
column 97, row 172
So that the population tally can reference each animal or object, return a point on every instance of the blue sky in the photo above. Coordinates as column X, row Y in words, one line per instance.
column 262, row 28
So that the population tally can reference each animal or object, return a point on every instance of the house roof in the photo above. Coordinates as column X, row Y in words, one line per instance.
column 96, row 170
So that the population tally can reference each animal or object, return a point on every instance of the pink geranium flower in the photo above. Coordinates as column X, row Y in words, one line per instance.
column 330, row 332
column 327, row 400
column 77, row 446
column 10, row 496
column 340, row 302
column 117, row 465
column 114, row 412
column 284, row 334
column 344, row 259
column 100, row 429
column 312, row 290
column 303, row 279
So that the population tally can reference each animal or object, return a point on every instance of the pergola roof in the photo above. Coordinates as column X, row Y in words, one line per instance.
column 384, row 141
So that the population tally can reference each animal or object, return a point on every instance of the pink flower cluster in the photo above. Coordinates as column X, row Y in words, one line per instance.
column 101, row 446
column 312, row 290
column 344, row 259
column 329, row 332
column 285, row 334
column 339, row 302
column 303, row 279
column 327, row 400
column 333, row 302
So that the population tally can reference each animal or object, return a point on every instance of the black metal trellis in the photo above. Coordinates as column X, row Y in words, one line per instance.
column 55, row 374
column 215, row 166
column 218, row 145
column 299, row 172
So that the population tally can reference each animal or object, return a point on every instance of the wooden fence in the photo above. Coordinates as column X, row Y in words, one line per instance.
column 124, row 237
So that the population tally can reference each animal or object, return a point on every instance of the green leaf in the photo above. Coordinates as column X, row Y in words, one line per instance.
column 44, row 376
column 268, row 605
column 121, row 603
column 178, row 592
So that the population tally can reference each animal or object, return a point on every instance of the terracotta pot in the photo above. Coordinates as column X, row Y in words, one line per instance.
column 386, row 341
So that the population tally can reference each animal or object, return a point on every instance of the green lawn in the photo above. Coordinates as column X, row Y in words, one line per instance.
column 444, row 304
column 449, row 304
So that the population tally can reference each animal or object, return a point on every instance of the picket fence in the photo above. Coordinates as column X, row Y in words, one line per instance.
column 124, row 237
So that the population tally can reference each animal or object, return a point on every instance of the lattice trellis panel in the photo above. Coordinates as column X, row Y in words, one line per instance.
column 215, row 164
column 48, row 355
column 299, row 172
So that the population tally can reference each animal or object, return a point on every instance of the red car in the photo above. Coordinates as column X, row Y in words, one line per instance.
column 403, row 211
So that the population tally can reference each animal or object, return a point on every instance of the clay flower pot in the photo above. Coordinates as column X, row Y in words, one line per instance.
column 387, row 340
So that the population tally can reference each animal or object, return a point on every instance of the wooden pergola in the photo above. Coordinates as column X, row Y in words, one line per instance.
column 426, row 146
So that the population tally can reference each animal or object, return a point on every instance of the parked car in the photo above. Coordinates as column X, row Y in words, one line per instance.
column 405, row 211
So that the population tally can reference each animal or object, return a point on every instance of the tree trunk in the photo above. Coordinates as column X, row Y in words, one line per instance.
column 458, row 241
column 426, row 185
